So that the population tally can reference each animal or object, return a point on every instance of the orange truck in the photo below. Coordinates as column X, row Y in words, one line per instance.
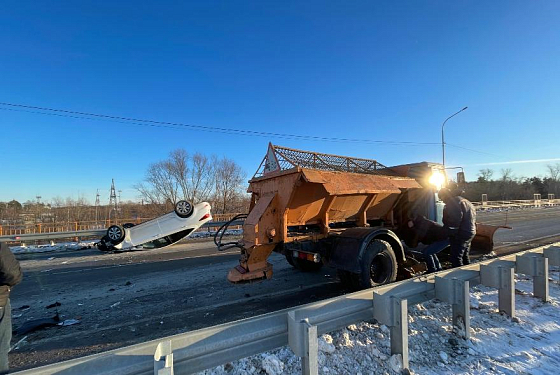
column 347, row 213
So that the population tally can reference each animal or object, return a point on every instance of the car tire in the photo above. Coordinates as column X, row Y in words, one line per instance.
column 116, row 234
column 184, row 209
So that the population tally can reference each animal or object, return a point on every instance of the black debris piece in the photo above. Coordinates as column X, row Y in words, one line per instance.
column 56, row 304
column 36, row 324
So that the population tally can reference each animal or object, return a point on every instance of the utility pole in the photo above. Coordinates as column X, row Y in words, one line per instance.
column 38, row 218
column 112, row 199
column 96, row 206
column 442, row 136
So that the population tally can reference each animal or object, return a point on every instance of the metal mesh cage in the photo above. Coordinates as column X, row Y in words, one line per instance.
column 288, row 158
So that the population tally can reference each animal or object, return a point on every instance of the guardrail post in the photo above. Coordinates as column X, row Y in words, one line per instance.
column 535, row 265
column 163, row 359
column 393, row 312
column 456, row 292
column 501, row 275
column 553, row 255
column 302, row 339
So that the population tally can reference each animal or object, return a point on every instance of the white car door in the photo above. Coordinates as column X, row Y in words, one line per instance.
column 147, row 231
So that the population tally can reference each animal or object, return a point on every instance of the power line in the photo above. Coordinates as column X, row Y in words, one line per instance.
column 177, row 125
column 181, row 126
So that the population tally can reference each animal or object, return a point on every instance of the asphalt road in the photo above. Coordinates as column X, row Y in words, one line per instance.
column 126, row 298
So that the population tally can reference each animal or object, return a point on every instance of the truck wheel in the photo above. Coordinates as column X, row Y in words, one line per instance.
column 306, row 265
column 378, row 266
column 183, row 209
column 115, row 234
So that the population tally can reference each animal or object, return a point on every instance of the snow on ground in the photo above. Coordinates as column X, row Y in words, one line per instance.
column 73, row 246
column 527, row 344
column 62, row 246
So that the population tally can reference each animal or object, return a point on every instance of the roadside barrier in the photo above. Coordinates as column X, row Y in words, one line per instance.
column 91, row 233
column 299, row 327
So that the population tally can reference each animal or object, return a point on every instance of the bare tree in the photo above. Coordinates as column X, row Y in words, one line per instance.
column 554, row 171
column 181, row 176
column 554, row 182
column 485, row 175
column 507, row 174
column 160, row 186
column 229, row 179
column 194, row 174
column 506, row 182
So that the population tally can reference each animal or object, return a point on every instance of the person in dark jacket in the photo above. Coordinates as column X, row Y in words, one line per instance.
column 459, row 218
column 458, row 230
column 10, row 275
column 435, row 236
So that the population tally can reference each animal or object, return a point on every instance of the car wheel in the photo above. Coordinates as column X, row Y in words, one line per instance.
column 183, row 209
column 115, row 234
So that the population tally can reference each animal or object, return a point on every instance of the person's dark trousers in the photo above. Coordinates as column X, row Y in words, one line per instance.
column 460, row 246
column 429, row 253
column 5, row 336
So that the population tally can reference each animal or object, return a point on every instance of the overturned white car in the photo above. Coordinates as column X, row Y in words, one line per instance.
column 159, row 232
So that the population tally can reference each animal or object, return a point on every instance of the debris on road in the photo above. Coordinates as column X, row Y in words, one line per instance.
column 24, row 307
column 69, row 322
column 17, row 344
column 36, row 324
column 115, row 304
column 56, row 304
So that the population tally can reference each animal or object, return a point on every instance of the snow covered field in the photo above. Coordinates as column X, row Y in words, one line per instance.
column 527, row 344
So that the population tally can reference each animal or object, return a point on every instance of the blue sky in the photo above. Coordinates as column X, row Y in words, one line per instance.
column 389, row 71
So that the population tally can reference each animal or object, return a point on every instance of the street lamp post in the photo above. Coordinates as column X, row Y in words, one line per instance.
column 442, row 134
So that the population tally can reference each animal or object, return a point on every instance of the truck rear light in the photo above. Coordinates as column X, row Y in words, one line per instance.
column 316, row 258
column 205, row 217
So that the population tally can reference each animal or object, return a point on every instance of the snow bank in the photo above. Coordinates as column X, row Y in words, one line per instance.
column 74, row 246
column 63, row 246
column 207, row 234
column 527, row 344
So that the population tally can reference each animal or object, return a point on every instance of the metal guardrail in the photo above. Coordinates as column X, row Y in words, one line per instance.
column 298, row 327
column 89, row 233
column 488, row 205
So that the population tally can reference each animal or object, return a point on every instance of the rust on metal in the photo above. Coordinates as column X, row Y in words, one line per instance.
column 483, row 242
column 288, row 192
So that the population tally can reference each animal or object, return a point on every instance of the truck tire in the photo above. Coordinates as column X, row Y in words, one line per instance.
column 378, row 266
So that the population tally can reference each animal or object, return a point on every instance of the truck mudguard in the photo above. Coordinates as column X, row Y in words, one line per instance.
column 349, row 247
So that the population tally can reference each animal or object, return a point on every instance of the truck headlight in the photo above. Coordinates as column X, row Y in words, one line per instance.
column 437, row 179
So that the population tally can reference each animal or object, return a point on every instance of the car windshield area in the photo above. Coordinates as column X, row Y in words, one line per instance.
column 167, row 240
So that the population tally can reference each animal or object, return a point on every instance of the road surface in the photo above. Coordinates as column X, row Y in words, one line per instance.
column 122, row 299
